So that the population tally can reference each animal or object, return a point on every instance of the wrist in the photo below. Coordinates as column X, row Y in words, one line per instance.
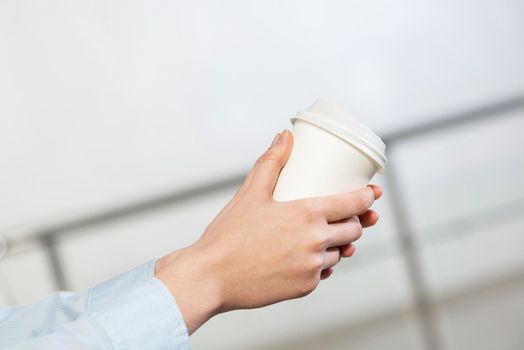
column 189, row 275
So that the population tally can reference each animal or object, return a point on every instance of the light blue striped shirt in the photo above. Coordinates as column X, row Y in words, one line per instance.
column 134, row 310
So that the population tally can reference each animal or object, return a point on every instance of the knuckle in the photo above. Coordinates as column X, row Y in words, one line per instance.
column 306, row 204
column 269, row 157
column 309, row 285
column 358, row 232
column 370, row 196
column 353, row 220
column 314, row 216
column 311, row 213
column 363, row 201
column 315, row 263
column 319, row 240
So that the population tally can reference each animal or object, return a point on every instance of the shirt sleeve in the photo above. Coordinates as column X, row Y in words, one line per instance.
column 134, row 310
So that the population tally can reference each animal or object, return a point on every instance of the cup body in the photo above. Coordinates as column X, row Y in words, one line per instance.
column 322, row 163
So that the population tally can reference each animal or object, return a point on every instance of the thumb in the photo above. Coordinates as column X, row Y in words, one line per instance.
column 267, row 168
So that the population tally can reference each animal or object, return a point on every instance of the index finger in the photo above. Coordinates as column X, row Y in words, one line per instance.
column 340, row 206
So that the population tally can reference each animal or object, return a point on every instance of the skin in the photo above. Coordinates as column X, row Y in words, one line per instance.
column 258, row 251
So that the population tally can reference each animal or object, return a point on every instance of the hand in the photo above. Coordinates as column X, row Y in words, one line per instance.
column 258, row 251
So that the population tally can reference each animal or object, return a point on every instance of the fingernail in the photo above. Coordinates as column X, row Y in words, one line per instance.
column 377, row 190
column 283, row 137
column 275, row 139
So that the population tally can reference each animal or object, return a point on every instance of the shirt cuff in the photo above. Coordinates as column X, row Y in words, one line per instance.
column 105, row 292
column 137, row 311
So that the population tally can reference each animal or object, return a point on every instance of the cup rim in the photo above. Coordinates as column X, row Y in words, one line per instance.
column 357, row 134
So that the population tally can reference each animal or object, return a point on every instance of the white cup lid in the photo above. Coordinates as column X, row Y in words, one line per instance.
column 336, row 120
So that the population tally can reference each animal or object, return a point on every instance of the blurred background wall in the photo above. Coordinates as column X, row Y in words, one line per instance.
column 125, row 126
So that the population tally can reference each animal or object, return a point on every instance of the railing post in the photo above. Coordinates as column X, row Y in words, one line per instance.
column 49, row 244
column 412, row 258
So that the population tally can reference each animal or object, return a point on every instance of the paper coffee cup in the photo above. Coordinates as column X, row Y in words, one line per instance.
column 333, row 152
